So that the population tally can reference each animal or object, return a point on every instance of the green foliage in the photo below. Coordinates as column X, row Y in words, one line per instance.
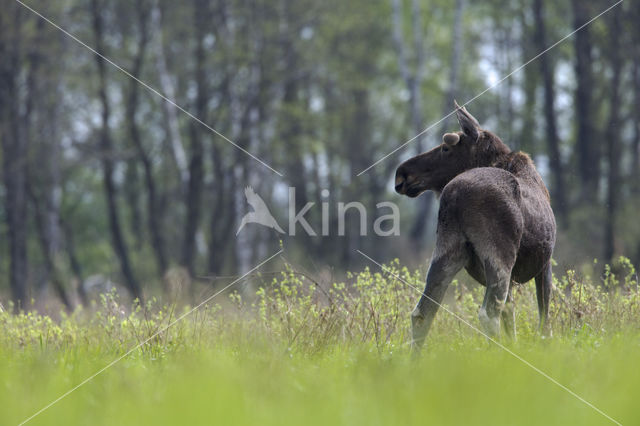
column 298, row 314
column 297, row 351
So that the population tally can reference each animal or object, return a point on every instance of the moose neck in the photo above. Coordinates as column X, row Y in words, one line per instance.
column 491, row 150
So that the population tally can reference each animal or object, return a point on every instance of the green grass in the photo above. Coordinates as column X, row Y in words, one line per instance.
column 296, row 355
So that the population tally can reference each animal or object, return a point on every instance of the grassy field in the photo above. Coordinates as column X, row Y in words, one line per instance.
column 298, row 353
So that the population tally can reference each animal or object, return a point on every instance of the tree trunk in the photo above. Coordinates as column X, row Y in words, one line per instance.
column 635, row 144
column 454, row 65
column 193, row 198
column 357, row 127
column 14, row 153
column 106, row 154
column 413, row 82
column 613, row 133
column 221, row 225
column 168, row 90
column 587, row 143
column 131, row 194
column 220, row 246
column 425, row 202
column 154, row 212
column 553, row 144
column 74, row 263
column 634, row 50
column 43, row 181
column 291, row 129
column 526, row 140
column 49, row 251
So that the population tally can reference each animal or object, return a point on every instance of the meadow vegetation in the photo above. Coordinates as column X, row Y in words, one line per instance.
column 295, row 351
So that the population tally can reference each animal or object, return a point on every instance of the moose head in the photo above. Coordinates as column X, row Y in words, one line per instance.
column 458, row 152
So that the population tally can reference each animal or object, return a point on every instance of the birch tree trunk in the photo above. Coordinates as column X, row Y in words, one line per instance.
column 454, row 65
column 553, row 144
column 43, row 183
column 106, row 157
column 613, row 133
column 154, row 213
column 193, row 199
column 168, row 90
column 413, row 81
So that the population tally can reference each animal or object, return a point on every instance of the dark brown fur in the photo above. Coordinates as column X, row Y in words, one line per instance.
column 495, row 220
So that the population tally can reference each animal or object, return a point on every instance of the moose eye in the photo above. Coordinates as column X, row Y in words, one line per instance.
column 445, row 148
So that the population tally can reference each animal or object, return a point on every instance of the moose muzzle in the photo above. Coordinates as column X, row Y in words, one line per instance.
column 400, row 182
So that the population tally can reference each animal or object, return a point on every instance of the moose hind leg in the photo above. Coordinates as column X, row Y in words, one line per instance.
column 509, row 316
column 498, row 280
column 441, row 271
column 544, row 285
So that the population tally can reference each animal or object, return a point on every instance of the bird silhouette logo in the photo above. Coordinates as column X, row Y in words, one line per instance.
column 260, row 213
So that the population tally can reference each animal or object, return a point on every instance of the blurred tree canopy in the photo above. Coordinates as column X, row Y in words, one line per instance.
column 102, row 177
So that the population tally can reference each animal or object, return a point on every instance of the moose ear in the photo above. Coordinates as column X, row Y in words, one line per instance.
column 451, row 138
column 468, row 123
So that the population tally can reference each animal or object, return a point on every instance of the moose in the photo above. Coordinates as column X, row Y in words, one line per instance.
column 495, row 220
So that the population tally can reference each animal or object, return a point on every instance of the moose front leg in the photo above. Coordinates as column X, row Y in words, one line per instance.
column 441, row 272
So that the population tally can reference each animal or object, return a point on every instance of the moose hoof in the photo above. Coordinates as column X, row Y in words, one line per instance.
column 490, row 325
column 418, row 330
